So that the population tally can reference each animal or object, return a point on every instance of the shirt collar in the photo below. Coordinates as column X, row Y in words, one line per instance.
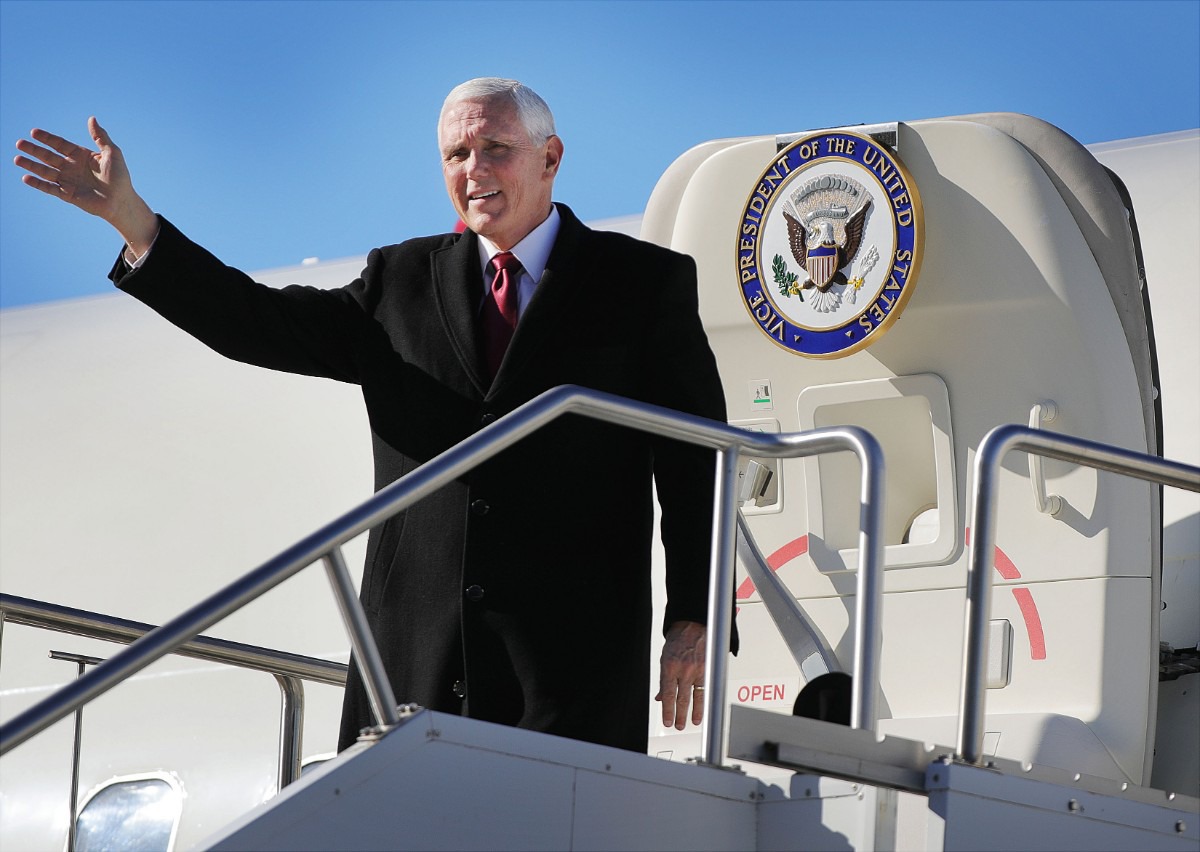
column 533, row 250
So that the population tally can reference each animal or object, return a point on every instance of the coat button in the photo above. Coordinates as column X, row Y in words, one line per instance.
column 475, row 593
column 480, row 507
column 459, row 689
column 487, row 418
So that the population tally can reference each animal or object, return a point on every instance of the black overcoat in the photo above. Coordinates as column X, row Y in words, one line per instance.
column 519, row 594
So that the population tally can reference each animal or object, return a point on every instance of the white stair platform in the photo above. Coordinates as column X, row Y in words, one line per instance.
column 444, row 782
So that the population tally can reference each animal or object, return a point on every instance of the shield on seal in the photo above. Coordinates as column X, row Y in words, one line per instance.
column 822, row 264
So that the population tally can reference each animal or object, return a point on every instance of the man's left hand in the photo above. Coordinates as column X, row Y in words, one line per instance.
column 681, row 674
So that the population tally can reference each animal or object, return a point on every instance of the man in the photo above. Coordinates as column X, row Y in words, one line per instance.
column 521, row 593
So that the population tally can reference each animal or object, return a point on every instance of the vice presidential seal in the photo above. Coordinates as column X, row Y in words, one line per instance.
column 829, row 244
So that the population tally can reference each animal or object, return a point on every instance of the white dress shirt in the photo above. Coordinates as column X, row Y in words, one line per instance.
column 533, row 251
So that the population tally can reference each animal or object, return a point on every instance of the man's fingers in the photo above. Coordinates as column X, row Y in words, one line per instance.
column 63, row 146
column 682, row 701
column 44, row 185
column 675, row 698
column 99, row 134
column 33, row 166
column 666, row 694
column 44, row 154
column 97, row 182
column 674, row 705
column 681, row 672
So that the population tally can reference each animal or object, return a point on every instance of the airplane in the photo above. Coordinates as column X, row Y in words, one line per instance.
column 942, row 277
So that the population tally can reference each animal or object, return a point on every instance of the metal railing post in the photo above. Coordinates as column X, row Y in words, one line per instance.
column 77, row 748
column 978, row 607
column 370, row 664
column 868, row 633
column 720, row 606
column 992, row 450
column 291, row 728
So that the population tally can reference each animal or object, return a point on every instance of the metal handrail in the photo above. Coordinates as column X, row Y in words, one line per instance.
column 92, row 625
column 992, row 450
column 810, row 649
column 290, row 670
column 325, row 545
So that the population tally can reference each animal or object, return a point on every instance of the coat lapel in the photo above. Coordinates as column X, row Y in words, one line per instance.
column 458, row 283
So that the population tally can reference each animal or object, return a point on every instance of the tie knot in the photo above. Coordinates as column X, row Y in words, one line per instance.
column 507, row 262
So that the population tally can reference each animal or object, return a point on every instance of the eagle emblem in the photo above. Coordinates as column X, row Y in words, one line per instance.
column 826, row 218
column 830, row 243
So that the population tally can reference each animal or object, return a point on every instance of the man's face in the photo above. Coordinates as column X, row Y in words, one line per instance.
column 498, row 180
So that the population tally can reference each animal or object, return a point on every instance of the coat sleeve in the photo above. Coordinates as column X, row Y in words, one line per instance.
column 295, row 329
column 684, row 377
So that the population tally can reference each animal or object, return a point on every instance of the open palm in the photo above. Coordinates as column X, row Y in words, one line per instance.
column 96, row 182
column 91, row 180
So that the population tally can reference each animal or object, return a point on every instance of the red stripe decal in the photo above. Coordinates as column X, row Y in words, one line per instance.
column 775, row 561
column 788, row 552
column 1005, row 566
column 1033, row 623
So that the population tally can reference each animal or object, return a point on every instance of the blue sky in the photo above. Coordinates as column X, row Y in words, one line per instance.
column 274, row 131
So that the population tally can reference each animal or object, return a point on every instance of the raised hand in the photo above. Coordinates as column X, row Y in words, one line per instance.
column 96, row 182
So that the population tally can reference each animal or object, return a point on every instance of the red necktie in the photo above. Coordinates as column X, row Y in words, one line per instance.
column 500, row 309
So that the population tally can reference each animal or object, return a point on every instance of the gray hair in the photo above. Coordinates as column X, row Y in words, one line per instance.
column 532, row 111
